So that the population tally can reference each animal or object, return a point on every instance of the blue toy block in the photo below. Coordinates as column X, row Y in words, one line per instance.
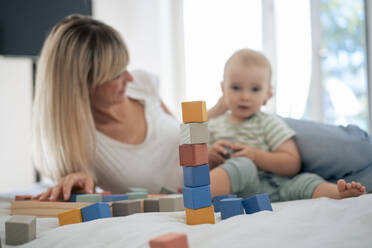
column 257, row 203
column 73, row 197
column 217, row 199
column 112, row 198
column 198, row 197
column 196, row 176
column 96, row 211
column 231, row 207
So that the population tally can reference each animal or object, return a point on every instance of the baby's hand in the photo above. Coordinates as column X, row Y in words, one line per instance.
column 217, row 152
column 243, row 150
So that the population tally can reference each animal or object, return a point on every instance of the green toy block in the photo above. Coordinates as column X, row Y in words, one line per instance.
column 20, row 229
column 137, row 195
column 137, row 189
column 89, row 198
column 165, row 190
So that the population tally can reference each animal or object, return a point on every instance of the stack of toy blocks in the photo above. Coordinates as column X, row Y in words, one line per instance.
column 194, row 159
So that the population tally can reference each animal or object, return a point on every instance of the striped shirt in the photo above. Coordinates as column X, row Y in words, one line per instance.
column 262, row 131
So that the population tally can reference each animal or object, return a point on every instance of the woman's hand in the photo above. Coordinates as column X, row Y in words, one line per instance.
column 76, row 182
column 217, row 151
column 243, row 150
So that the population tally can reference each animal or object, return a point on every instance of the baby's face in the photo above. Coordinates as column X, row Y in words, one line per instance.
column 245, row 89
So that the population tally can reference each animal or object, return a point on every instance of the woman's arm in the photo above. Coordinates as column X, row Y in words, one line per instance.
column 218, row 109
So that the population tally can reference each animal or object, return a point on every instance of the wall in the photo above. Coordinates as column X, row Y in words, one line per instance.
column 15, row 121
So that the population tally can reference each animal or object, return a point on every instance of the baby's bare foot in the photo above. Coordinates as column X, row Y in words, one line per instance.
column 352, row 189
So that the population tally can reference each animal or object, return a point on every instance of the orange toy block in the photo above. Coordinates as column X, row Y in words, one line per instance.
column 195, row 111
column 70, row 217
column 170, row 240
column 200, row 216
column 193, row 155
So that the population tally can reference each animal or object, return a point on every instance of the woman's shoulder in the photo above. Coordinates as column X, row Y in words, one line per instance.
column 144, row 81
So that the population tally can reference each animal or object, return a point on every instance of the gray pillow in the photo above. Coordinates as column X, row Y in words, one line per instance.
column 331, row 151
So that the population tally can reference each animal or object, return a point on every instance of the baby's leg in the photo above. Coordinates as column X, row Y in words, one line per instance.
column 340, row 190
column 235, row 175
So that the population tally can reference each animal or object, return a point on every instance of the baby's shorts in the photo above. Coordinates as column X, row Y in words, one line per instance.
column 247, row 181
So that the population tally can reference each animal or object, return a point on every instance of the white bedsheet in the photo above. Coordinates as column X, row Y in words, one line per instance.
column 308, row 223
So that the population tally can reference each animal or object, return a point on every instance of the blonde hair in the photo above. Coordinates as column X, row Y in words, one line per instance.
column 79, row 54
column 249, row 57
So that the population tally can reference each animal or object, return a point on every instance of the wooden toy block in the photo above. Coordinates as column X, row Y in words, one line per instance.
column 89, row 198
column 257, row 203
column 198, row 197
column 43, row 208
column 165, row 190
column 137, row 189
column 171, row 203
column 231, row 207
column 20, row 229
column 194, row 133
column 96, row 211
column 151, row 205
column 193, row 155
column 195, row 111
column 126, row 207
column 200, row 216
column 137, row 195
column 216, row 201
column 112, row 198
column 23, row 197
column 170, row 240
column 70, row 217
column 196, row 176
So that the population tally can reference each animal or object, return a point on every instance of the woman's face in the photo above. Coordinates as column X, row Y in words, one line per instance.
column 111, row 92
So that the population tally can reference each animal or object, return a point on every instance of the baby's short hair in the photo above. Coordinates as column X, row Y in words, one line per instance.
column 250, row 57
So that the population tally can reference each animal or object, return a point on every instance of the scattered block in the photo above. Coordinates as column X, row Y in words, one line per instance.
column 73, row 197
column 257, row 203
column 89, row 198
column 194, row 133
column 151, row 205
column 137, row 195
column 193, row 155
column 171, row 203
column 96, row 211
column 165, row 190
column 170, row 240
column 112, row 198
column 23, row 197
column 198, row 197
column 126, row 207
column 196, row 176
column 231, row 207
column 216, row 201
column 70, row 217
column 137, row 189
column 20, row 229
column 44, row 208
column 200, row 216
column 195, row 111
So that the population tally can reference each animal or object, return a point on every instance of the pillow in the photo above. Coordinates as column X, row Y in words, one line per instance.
column 331, row 151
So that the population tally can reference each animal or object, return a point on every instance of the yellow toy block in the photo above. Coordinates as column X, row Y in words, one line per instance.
column 200, row 216
column 195, row 111
column 70, row 217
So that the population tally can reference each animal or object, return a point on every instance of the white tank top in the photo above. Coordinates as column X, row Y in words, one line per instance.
column 154, row 163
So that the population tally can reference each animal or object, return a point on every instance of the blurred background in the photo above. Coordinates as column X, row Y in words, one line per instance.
column 320, row 50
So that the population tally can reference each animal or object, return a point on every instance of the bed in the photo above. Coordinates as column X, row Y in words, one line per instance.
column 319, row 222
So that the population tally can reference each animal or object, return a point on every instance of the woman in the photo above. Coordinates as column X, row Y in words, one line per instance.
column 94, row 123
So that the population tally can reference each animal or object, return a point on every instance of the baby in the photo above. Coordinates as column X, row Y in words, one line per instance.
column 264, row 157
